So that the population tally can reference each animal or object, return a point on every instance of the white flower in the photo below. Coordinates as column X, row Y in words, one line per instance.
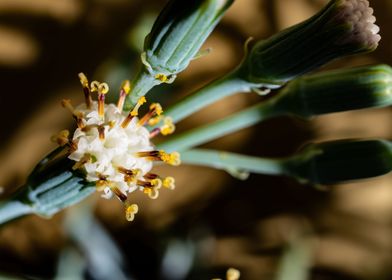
column 114, row 149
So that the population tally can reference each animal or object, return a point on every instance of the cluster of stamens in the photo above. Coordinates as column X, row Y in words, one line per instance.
column 113, row 148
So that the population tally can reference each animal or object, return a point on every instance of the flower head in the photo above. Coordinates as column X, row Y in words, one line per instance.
column 113, row 149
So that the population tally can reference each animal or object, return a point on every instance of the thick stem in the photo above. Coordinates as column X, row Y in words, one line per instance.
column 211, row 131
column 13, row 209
column 232, row 161
column 141, row 84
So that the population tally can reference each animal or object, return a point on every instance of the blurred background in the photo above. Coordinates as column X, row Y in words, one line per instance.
column 267, row 227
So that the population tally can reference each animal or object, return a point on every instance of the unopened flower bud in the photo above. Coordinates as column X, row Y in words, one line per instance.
column 339, row 90
column 175, row 39
column 343, row 27
column 341, row 161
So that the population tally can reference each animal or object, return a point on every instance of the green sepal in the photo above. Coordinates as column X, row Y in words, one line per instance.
column 337, row 91
column 341, row 161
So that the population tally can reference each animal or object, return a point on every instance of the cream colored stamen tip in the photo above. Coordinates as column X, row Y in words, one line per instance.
column 83, row 79
column 157, row 183
column 130, row 212
column 94, row 85
column 233, row 274
column 142, row 100
column 157, row 107
column 169, row 183
column 65, row 102
column 103, row 88
column 175, row 159
column 153, row 194
column 126, row 86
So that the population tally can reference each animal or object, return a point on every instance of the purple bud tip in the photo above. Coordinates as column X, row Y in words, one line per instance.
column 359, row 16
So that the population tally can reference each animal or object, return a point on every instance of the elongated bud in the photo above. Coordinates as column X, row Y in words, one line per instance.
column 53, row 186
column 336, row 91
column 178, row 33
column 175, row 39
column 343, row 27
column 342, row 161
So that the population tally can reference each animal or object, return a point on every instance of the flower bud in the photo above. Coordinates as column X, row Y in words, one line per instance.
column 175, row 39
column 54, row 186
column 341, row 161
column 343, row 27
column 339, row 90
column 179, row 32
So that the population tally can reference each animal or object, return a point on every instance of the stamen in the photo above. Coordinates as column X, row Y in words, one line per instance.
column 103, row 89
column 86, row 90
column 172, row 158
column 78, row 116
column 155, row 109
column 154, row 121
column 66, row 103
column 155, row 132
column 154, row 183
column 151, row 187
column 169, row 183
column 129, row 174
column 168, row 127
column 102, row 183
column 134, row 112
column 101, row 131
column 125, row 88
column 150, row 176
column 86, row 158
column 130, row 211
column 61, row 138
column 119, row 193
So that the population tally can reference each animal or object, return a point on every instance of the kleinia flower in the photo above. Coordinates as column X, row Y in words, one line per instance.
column 114, row 149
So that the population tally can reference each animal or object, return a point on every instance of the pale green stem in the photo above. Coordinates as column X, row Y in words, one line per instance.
column 220, row 128
column 214, row 91
column 12, row 209
column 232, row 161
column 140, row 85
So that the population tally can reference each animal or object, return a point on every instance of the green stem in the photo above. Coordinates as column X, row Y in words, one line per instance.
column 141, row 84
column 217, row 89
column 232, row 161
column 211, row 131
column 13, row 209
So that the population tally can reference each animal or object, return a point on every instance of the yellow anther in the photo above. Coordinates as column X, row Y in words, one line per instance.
column 157, row 108
column 126, row 86
column 83, row 79
column 94, row 86
column 155, row 120
column 103, row 88
column 130, row 211
column 162, row 77
column 154, row 194
column 168, row 127
column 66, row 103
column 86, row 90
column 169, row 183
column 140, row 102
column 61, row 138
column 86, row 158
column 157, row 183
column 172, row 158
column 233, row 274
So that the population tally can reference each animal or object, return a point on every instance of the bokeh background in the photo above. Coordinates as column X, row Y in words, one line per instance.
column 267, row 227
